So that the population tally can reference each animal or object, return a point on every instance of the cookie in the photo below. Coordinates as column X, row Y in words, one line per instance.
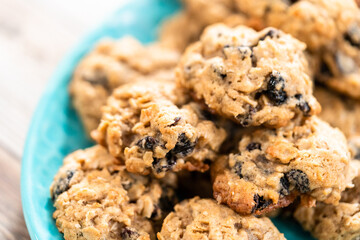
column 198, row 14
column 329, row 222
column 153, row 130
column 272, row 167
column 253, row 78
column 330, row 29
column 339, row 111
column 96, row 198
column 110, row 64
column 316, row 22
column 339, row 64
column 205, row 219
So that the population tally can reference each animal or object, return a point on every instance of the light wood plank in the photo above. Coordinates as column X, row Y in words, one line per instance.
column 34, row 36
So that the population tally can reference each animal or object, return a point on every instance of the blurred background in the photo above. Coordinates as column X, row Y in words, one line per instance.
column 34, row 36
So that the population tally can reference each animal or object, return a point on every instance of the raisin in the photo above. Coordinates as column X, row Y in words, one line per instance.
column 183, row 146
column 253, row 146
column 245, row 119
column 284, row 186
column 298, row 179
column 260, row 203
column 302, row 105
column 271, row 33
column 238, row 226
column 275, row 89
column 128, row 233
column 97, row 78
column 62, row 184
column 147, row 143
column 238, row 168
column 176, row 121
column 220, row 72
column 353, row 36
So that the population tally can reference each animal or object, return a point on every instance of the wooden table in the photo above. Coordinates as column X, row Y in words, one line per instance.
column 34, row 36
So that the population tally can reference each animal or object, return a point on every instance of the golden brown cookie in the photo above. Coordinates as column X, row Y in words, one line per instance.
column 330, row 29
column 110, row 64
column 96, row 198
column 273, row 166
column 251, row 77
column 339, row 111
column 329, row 222
column 197, row 219
column 154, row 130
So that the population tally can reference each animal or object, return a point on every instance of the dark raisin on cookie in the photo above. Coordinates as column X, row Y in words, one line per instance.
column 220, row 72
column 275, row 89
column 98, row 77
column 128, row 233
column 353, row 36
column 182, row 148
column 284, row 186
column 245, row 119
column 176, row 121
column 238, row 168
column 299, row 179
column 271, row 33
column 302, row 104
column 147, row 143
column 260, row 203
column 62, row 185
column 253, row 145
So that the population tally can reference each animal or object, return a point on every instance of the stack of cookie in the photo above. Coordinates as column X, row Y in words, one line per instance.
column 225, row 101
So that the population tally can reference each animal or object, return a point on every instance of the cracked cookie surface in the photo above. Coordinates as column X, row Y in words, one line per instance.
column 273, row 166
column 110, row 64
column 251, row 77
column 154, row 130
column 197, row 219
column 96, row 198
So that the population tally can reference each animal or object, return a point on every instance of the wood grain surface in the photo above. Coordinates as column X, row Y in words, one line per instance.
column 34, row 36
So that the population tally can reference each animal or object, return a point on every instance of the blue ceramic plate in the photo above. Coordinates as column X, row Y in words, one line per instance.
column 56, row 130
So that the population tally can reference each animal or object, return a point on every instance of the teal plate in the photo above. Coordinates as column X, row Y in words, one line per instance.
column 56, row 130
